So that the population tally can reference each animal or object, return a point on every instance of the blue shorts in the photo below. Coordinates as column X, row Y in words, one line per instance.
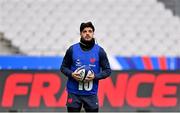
column 86, row 101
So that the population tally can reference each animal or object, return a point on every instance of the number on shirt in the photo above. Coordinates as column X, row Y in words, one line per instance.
column 86, row 85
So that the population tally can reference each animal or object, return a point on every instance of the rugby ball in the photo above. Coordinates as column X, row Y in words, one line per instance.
column 84, row 71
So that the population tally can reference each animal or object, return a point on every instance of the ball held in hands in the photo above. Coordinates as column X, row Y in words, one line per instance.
column 84, row 71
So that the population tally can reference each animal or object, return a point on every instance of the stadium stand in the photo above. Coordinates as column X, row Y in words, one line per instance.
column 137, row 35
column 123, row 27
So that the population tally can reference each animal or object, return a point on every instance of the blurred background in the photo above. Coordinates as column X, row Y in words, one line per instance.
column 123, row 27
column 136, row 34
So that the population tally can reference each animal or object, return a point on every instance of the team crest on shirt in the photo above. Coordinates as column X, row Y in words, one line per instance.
column 92, row 60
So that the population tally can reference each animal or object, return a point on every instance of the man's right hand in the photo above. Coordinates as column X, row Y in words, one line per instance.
column 76, row 76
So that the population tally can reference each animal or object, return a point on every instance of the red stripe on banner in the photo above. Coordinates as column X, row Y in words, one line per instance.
column 162, row 63
column 147, row 63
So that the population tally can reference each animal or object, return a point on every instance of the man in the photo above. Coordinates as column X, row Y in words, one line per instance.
column 86, row 52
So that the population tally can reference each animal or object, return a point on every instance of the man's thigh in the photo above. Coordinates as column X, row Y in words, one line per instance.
column 90, row 102
column 73, row 101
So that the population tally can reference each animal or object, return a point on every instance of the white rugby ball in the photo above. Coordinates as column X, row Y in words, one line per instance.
column 84, row 71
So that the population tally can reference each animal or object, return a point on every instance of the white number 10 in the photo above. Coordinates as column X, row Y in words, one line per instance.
column 86, row 85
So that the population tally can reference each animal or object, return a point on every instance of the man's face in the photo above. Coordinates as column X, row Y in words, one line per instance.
column 87, row 34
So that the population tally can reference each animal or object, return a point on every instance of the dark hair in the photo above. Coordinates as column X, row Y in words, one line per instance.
column 87, row 24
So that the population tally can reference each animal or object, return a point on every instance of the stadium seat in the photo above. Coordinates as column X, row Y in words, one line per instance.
column 123, row 27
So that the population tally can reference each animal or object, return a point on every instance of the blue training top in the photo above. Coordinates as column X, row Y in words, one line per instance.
column 75, row 57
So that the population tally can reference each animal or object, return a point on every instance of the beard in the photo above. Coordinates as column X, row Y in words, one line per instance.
column 87, row 43
column 87, row 38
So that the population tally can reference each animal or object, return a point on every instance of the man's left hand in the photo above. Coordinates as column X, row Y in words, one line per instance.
column 89, row 77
